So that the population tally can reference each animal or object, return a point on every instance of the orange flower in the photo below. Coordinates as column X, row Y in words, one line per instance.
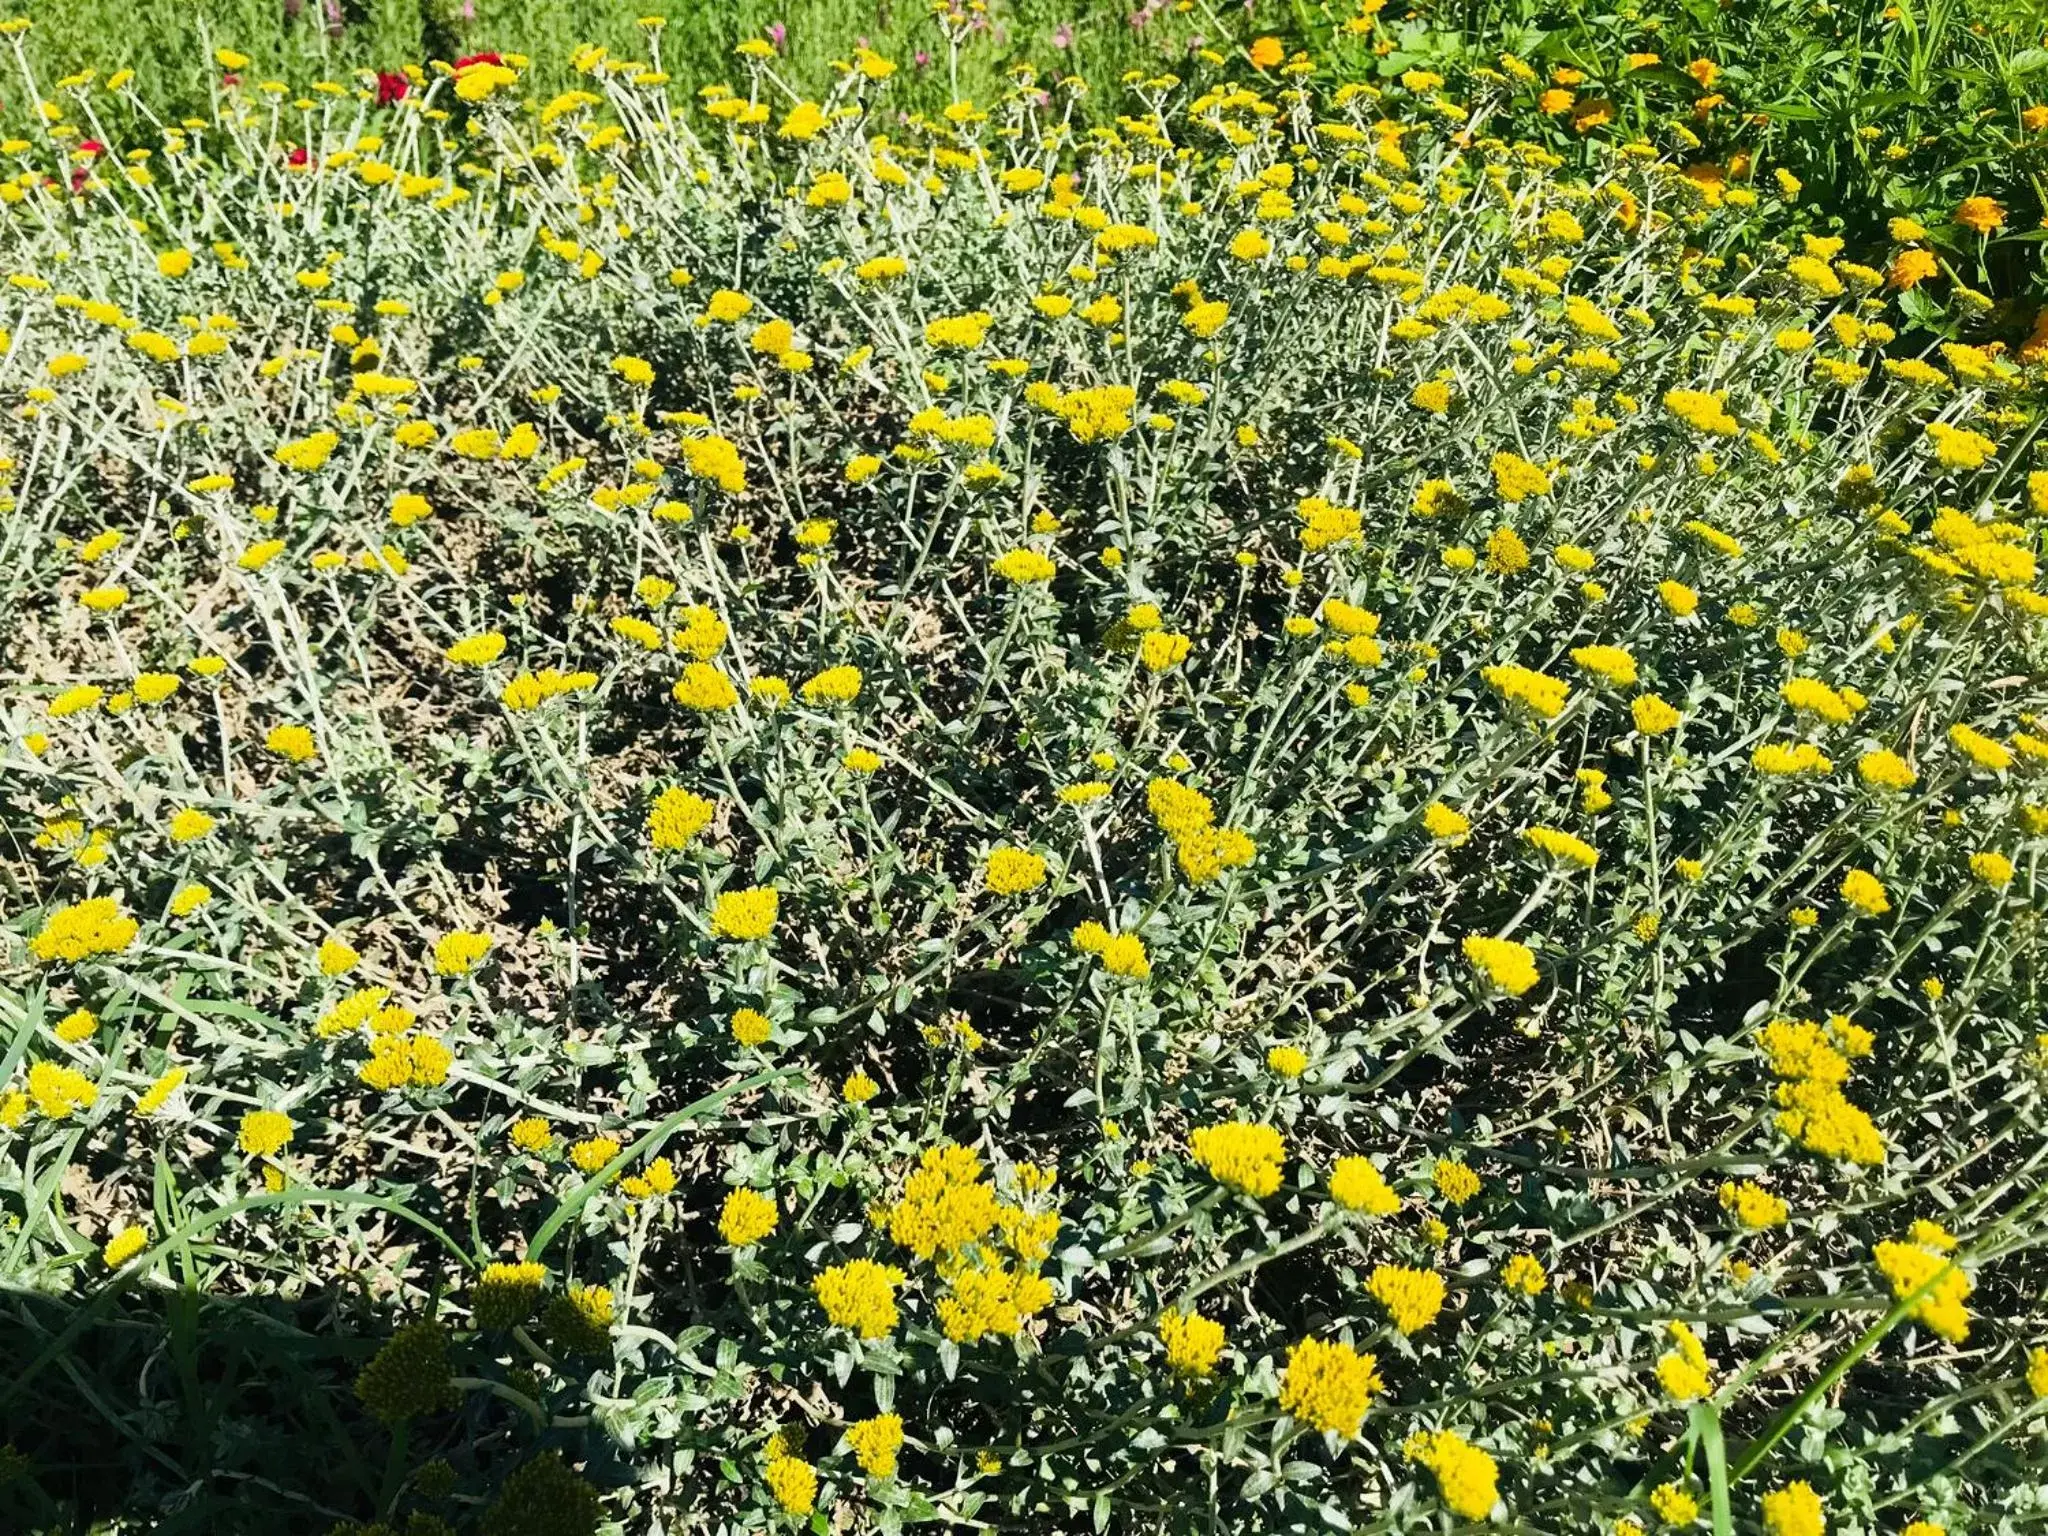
column 1554, row 101
column 1705, row 71
column 2034, row 119
column 1911, row 268
column 1981, row 215
column 1266, row 52
column 1592, row 113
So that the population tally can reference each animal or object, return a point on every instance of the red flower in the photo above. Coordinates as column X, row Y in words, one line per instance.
column 297, row 158
column 478, row 58
column 391, row 87
column 91, row 147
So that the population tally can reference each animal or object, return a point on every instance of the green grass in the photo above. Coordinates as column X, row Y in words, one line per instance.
column 171, row 48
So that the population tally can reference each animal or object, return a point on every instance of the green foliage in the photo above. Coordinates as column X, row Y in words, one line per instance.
column 1275, row 819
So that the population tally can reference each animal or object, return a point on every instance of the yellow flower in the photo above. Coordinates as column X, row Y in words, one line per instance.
column 745, row 914
column 456, row 954
column 1523, row 1273
column 1456, row 1182
column 1329, row 1386
column 1356, row 1185
column 1466, row 1477
column 189, row 825
column 1794, row 1510
column 292, row 741
column 875, row 1443
column 1193, row 1342
column 1241, row 1155
column 1412, row 1297
column 677, row 816
column 265, row 1132
column 1013, row 871
column 747, row 1217
column 860, row 1295
column 1287, row 1060
column 1684, row 1370
column 124, row 1245
column 794, row 1483
column 1023, row 566
column 1863, row 891
column 1506, row 963
column 1981, row 215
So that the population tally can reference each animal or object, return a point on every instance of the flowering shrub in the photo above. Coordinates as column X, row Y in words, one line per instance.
column 1261, row 821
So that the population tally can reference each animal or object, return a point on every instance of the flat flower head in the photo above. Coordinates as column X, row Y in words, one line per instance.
column 746, row 914
column 1329, row 1386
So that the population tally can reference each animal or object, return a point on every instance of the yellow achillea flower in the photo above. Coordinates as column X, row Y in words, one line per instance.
column 1525, row 1274
column 456, row 954
column 1886, row 770
column 835, row 685
column 532, row 1134
column 294, row 742
column 1013, row 871
column 529, row 690
column 1866, row 893
column 1914, row 1265
column 1610, row 662
column 1652, row 716
column 1329, row 1387
column 1515, row 479
column 1356, row 1185
column 677, row 816
column 159, row 1092
column 1162, row 650
column 1794, row 1510
column 704, row 688
column 875, row 1443
column 95, row 926
column 1024, row 566
column 1445, row 824
column 1994, row 869
column 1753, row 1205
column 1412, row 1297
column 860, row 1295
column 747, row 1217
column 1538, row 692
column 1122, row 954
column 1674, row 1505
column 1466, row 1478
column 476, row 650
column 57, row 1090
column 1992, row 756
column 124, row 1245
column 745, row 914
column 1455, row 1181
column 1562, row 846
column 1789, row 759
column 1244, row 1156
column 1684, row 1370
column 751, row 1027
column 1193, row 1342
column 1288, row 1061
column 1819, row 1118
column 1506, row 963
column 190, row 825
column 265, row 1132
